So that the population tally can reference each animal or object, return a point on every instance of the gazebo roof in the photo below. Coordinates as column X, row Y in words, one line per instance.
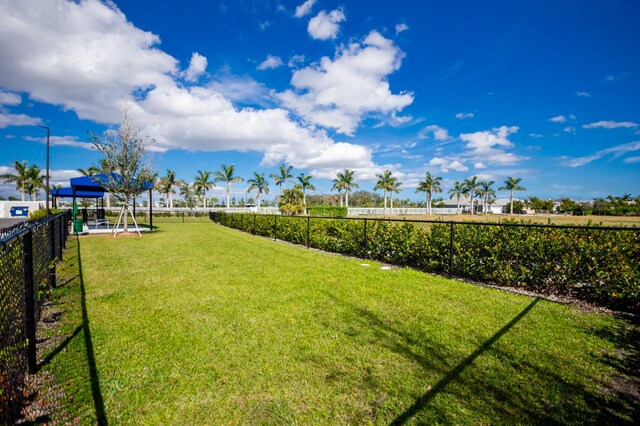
column 93, row 183
column 68, row 193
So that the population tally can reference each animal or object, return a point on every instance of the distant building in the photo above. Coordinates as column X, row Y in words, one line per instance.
column 498, row 206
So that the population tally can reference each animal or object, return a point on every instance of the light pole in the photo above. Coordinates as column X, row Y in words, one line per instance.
column 47, row 187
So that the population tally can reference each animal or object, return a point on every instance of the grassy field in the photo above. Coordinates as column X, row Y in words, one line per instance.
column 200, row 324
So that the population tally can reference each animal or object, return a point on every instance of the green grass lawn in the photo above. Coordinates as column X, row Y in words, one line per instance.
column 200, row 324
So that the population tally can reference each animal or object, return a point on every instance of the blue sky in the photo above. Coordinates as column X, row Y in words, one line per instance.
column 547, row 90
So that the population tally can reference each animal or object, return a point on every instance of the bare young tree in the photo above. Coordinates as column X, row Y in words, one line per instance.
column 126, row 164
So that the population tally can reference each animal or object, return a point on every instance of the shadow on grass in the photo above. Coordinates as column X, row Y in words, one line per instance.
column 452, row 375
column 98, row 402
column 517, row 389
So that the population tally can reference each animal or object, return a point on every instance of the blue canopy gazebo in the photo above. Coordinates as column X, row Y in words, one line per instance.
column 99, row 184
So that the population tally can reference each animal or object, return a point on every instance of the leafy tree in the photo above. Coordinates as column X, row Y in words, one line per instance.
column 125, row 162
column 201, row 183
column 260, row 184
column 305, row 184
column 283, row 176
column 512, row 184
column 430, row 184
column 567, row 205
column 20, row 177
column 290, row 203
column 227, row 174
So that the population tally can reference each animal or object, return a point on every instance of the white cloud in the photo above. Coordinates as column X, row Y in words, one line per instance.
column 558, row 119
column 304, row 9
column 115, row 62
column 296, row 61
column 631, row 160
column 439, row 133
column 8, row 98
column 570, row 129
column 462, row 115
column 490, row 146
column 446, row 164
column 616, row 152
column 89, row 74
column 610, row 124
column 480, row 165
column 615, row 77
column 325, row 26
column 583, row 94
column 536, row 135
column 401, row 27
column 71, row 141
column 7, row 120
column 272, row 62
column 197, row 67
column 336, row 93
column 240, row 88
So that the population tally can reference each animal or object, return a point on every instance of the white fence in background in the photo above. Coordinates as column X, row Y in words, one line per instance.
column 358, row 211
column 353, row 211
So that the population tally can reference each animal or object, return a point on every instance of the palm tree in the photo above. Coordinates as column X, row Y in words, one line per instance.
column 471, row 186
column 511, row 184
column 394, row 187
column 283, row 177
column 35, row 181
column 457, row 191
column 227, row 174
column 201, row 183
column 260, row 184
column 384, row 183
column 21, row 176
column 169, row 182
column 344, row 181
column 89, row 171
column 429, row 184
column 337, row 186
column 186, row 191
column 486, row 191
column 305, row 183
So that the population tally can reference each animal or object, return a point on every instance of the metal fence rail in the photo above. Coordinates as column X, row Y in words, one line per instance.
column 28, row 259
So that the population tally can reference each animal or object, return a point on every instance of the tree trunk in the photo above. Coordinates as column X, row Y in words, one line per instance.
column 23, row 193
column 346, row 199
column 258, row 198
column 428, row 203
column 228, row 194
column 170, row 201
column 304, row 201
column 204, row 204
column 511, row 201
column 384, row 211
column 126, row 210
column 458, row 207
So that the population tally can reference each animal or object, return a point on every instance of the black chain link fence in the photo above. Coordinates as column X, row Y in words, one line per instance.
column 28, row 258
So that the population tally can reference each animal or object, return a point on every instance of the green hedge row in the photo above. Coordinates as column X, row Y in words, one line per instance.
column 596, row 265
column 327, row 211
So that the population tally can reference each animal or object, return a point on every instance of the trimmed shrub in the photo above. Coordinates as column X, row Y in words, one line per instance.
column 327, row 211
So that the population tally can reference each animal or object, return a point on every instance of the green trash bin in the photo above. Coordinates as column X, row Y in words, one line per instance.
column 77, row 226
